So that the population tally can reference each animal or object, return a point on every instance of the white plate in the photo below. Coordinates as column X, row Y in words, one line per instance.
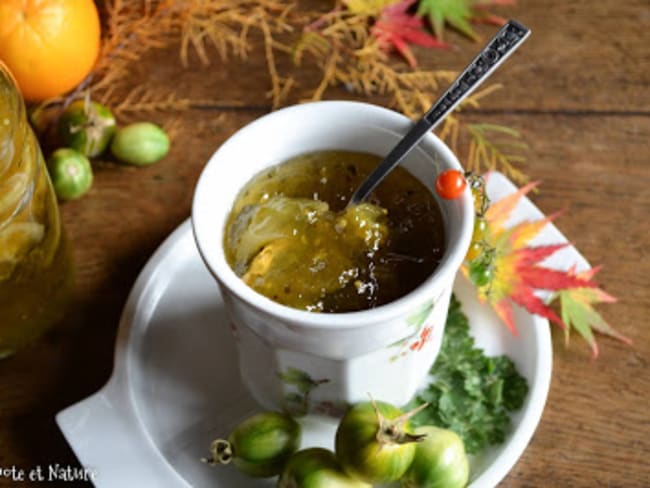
column 175, row 385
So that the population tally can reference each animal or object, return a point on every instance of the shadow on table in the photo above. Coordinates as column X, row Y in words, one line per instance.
column 71, row 361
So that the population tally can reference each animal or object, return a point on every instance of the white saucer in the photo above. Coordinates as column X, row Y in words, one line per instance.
column 175, row 385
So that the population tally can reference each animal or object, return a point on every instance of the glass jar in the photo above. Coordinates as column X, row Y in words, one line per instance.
column 35, row 261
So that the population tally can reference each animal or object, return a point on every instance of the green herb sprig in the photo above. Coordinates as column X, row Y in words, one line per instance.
column 470, row 393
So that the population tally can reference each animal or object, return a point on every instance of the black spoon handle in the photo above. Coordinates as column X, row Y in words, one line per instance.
column 502, row 45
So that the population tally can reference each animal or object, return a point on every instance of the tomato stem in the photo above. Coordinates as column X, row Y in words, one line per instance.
column 403, row 418
column 95, row 124
column 222, row 453
column 391, row 431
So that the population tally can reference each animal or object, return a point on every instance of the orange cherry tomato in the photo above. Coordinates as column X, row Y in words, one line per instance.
column 450, row 184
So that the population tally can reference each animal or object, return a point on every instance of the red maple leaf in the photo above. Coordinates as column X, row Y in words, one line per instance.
column 520, row 273
column 397, row 28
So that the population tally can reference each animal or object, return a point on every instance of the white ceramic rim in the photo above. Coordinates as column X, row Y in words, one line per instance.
column 214, row 257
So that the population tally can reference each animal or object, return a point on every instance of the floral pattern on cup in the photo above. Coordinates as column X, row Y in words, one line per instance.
column 422, row 333
column 334, row 409
column 298, row 402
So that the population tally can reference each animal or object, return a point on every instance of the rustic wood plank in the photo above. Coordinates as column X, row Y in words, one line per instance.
column 582, row 57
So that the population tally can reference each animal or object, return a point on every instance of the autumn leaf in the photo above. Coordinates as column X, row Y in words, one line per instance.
column 577, row 311
column 458, row 14
column 517, row 272
column 516, row 275
column 396, row 28
column 499, row 212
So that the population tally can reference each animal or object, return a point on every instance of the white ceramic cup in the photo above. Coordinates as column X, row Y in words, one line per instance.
column 322, row 362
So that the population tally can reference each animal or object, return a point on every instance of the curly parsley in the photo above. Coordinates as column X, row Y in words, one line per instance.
column 470, row 393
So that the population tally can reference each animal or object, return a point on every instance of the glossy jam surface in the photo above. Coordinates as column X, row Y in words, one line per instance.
column 290, row 237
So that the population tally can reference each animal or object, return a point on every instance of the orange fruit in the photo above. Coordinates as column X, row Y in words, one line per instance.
column 50, row 46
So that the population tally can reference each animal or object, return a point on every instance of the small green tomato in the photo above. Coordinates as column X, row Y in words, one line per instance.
column 480, row 272
column 70, row 172
column 474, row 251
column 481, row 229
column 87, row 127
column 316, row 468
column 373, row 442
column 140, row 144
column 440, row 461
column 260, row 446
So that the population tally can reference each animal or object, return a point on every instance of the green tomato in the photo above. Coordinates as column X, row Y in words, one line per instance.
column 480, row 236
column 440, row 461
column 316, row 468
column 481, row 229
column 140, row 144
column 70, row 172
column 87, row 127
column 260, row 446
column 480, row 272
column 474, row 251
column 373, row 442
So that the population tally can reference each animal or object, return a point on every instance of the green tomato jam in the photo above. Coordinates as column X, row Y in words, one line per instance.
column 290, row 237
column 36, row 270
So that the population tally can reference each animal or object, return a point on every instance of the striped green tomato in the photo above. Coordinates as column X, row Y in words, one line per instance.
column 260, row 446
column 440, row 461
column 374, row 443
column 87, row 127
column 316, row 468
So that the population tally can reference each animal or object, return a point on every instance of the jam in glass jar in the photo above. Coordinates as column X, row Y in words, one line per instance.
column 36, row 273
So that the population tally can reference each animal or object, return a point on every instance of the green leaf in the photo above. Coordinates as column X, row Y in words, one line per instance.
column 302, row 380
column 456, row 13
column 418, row 317
column 578, row 313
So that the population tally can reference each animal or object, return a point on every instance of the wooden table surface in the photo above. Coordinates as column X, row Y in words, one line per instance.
column 579, row 91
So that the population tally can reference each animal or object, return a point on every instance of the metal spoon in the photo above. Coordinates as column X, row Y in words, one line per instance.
column 504, row 43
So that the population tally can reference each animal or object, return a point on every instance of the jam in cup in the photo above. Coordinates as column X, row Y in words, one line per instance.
column 321, row 362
